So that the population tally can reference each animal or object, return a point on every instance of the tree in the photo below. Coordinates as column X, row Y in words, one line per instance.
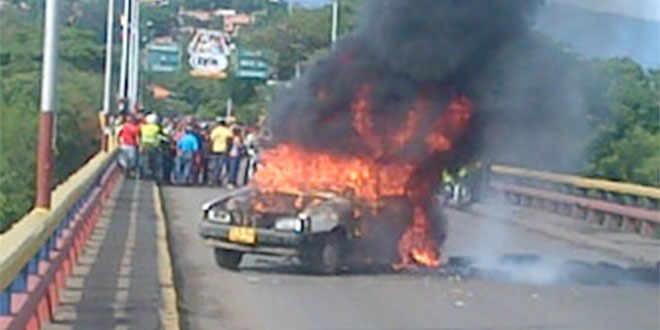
column 626, row 133
column 79, row 85
column 158, row 21
column 295, row 38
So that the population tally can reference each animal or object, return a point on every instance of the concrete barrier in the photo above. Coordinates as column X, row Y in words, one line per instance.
column 39, row 252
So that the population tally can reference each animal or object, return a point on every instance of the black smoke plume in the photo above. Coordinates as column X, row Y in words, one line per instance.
column 529, row 96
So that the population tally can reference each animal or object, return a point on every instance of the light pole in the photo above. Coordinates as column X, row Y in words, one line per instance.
column 126, row 18
column 134, row 58
column 108, row 57
column 45, row 164
column 108, row 74
column 335, row 20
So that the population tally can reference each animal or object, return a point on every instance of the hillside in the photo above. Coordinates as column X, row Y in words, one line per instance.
column 597, row 34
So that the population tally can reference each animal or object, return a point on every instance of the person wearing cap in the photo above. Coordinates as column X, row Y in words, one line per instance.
column 219, row 142
column 187, row 146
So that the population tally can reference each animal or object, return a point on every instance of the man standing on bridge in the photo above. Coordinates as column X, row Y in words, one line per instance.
column 219, row 141
column 129, row 137
column 151, row 137
column 187, row 146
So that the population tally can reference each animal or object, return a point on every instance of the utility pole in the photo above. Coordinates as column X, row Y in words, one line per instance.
column 230, row 104
column 124, row 54
column 45, row 164
column 335, row 20
column 108, row 74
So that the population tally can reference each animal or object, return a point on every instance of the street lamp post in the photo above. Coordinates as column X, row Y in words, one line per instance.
column 335, row 20
column 108, row 74
column 45, row 164
column 134, row 57
column 124, row 54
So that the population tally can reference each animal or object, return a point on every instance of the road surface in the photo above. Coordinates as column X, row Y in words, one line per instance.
column 268, row 293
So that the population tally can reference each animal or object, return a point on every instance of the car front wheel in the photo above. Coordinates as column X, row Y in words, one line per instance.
column 325, row 257
column 228, row 258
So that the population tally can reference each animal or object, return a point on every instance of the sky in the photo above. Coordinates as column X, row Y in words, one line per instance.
column 646, row 9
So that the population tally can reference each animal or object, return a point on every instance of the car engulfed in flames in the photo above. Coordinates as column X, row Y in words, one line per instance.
column 324, row 230
column 370, row 199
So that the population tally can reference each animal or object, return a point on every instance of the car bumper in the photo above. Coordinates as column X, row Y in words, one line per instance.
column 269, row 242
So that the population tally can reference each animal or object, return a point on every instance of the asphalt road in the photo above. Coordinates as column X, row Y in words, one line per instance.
column 268, row 293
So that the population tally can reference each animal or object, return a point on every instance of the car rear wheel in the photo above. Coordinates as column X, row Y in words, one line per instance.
column 229, row 259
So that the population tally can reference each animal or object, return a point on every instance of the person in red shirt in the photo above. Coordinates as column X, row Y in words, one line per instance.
column 129, row 140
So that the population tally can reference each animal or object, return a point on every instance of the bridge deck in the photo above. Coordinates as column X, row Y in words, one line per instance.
column 115, row 285
column 272, row 293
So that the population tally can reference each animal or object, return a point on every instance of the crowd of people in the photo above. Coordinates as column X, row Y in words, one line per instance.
column 185, row 151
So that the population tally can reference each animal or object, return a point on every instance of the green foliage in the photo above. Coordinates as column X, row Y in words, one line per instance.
column 626, row 142
column 79, row 48
column 79, row 86
column 162, row 20
column 297, row 37
column 202, row 97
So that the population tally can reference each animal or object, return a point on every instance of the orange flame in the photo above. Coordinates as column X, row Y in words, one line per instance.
column 403, row 136
column 437, row 142
column 425, row 258
column 291, row 168
column 450, row 125
column 416, row 244
column 363, row 121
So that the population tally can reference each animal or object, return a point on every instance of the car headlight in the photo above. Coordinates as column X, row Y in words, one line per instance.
column 218, row 216
column 290, row 224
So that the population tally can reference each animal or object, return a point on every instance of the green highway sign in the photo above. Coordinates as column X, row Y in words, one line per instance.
column 251, row 65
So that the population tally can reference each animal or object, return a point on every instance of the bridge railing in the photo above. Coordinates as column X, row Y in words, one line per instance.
column 615, row 205
column 39, row 251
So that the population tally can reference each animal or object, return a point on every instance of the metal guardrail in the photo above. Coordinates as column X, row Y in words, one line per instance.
column 618, row 206
column 40, row 250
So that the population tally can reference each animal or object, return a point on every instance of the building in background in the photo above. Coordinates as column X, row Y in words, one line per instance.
column 232, row 23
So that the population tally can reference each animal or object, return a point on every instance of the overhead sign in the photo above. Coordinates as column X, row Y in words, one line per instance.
column 163, row 57
column 252, row 65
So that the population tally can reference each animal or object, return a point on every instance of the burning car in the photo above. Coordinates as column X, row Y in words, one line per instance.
column 371, row 200
column 325, row 231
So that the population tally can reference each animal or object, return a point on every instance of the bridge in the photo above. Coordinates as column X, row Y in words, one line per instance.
column 117, row 253
column 541, row 251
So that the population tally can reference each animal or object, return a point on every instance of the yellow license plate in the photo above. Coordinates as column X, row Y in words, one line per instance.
column 245, row 235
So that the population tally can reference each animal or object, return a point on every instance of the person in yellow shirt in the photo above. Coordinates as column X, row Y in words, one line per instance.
column 151, row 137
column 219, row 143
